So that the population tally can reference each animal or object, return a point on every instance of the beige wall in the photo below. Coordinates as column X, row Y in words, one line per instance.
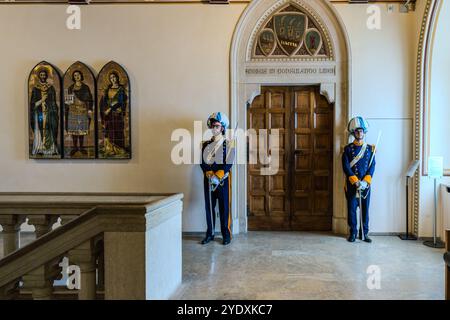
column 178, row 59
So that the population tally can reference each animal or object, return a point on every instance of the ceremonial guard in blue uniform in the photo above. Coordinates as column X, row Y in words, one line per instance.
column 217, row 160
column 358, row 162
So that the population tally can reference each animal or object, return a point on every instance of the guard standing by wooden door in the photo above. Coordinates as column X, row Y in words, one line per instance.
column 358, row 162
column 217, row 160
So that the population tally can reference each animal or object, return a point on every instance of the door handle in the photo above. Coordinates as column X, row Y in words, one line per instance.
column 248, row 152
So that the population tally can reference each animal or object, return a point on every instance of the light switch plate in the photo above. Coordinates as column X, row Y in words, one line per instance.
column 390, row 8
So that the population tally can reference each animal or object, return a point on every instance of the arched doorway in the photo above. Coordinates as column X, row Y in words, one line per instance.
column 291, row 43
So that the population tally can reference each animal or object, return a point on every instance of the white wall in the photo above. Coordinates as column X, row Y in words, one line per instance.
column 439, row 119
column 178, row 59
column 383, row 91
column 440, row 90
column 388, row 207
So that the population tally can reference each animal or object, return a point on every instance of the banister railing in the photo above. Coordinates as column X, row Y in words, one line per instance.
column 107, row 240
column 42, row 210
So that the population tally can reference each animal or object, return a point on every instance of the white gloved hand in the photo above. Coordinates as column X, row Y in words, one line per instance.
column 364, row 185
column 215, row 180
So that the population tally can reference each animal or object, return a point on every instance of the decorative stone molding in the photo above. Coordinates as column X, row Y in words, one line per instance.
column 315, row 24
column 422, row 90
column 328, row 90
column 252, row 92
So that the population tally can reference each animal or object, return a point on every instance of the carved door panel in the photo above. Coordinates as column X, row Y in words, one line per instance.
column 311, row 169
column 268, row 197
column 299, row 196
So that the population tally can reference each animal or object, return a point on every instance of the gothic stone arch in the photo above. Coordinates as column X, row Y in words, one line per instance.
column 422, row 107
column 261, row 57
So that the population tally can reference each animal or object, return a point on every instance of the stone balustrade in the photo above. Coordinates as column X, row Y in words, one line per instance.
column 123, row 245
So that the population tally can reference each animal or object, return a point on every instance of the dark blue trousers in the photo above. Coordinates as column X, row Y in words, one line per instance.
column 352, row 206
column 222, row 196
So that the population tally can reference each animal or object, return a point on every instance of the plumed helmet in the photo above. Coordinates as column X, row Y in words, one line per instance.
column 358, row 123
column 218, row 117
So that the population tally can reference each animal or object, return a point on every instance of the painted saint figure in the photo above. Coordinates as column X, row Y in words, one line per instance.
column 113, row 106
column 79, row 110
column 44, row 116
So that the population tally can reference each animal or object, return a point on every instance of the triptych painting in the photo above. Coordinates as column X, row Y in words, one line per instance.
column 79, row 116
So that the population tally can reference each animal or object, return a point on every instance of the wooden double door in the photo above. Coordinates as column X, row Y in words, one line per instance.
column 299, row 197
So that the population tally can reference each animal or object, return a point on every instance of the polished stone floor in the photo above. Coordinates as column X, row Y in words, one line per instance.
column 281, row 266
column 291, row 265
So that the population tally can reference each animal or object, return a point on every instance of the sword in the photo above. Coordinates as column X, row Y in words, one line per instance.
column 374, row 152
column 376, row 148
column 213, row 227
column 361, row 224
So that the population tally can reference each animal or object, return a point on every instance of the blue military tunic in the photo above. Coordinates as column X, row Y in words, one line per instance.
column 363, row 170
